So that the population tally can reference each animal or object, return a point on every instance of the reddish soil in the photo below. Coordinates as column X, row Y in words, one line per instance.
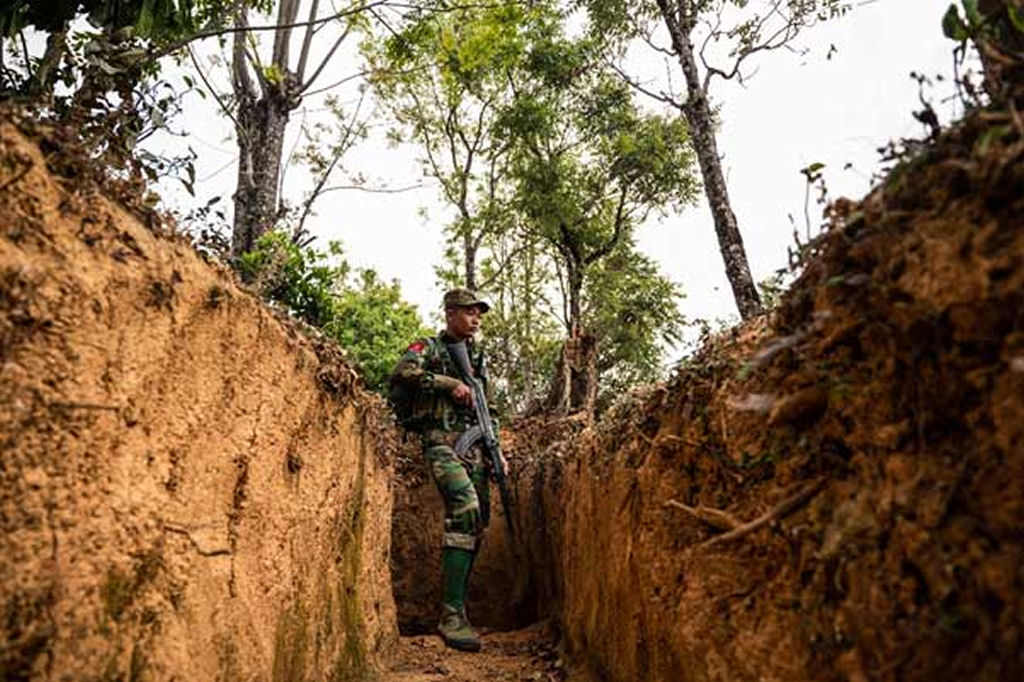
column 191, row 489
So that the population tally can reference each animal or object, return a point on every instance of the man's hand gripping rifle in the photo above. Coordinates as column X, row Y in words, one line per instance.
column 483, row 430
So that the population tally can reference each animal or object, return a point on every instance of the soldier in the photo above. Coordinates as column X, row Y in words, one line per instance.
column 433, row 401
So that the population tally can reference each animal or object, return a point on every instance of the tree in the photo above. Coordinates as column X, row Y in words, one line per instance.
column 589, row 166
column 521, row 333
column 374, row 324
column 443, row 78
column 740, row 29
column 266, row 90
column 633, row 312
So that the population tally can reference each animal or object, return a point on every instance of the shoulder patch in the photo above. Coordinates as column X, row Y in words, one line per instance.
column 417, row 347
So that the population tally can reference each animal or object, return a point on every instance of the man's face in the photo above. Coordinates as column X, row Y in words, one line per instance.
column 463, row 321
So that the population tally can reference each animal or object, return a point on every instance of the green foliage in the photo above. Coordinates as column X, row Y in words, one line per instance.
column 583, row 146
column 521, row 333
column 587, row 162
column 304, row 281
column 374, row 324
column 96, row 71
column 366, row 316
column 157, row 20
column 633, row 310
column 444, row 78
column 976, row 26
column 549, row 165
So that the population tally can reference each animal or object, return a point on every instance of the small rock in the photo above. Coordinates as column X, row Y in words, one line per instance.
column 36, row 478
column 802, row 406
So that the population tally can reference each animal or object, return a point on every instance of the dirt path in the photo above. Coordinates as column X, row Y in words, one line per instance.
column 528, row 654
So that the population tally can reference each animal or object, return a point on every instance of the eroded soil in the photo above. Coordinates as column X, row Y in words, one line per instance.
column 190, row 488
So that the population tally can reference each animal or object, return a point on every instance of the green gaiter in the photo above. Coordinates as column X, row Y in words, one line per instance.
column 455, row 566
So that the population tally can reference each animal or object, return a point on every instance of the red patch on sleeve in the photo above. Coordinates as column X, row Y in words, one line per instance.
column 417, row 347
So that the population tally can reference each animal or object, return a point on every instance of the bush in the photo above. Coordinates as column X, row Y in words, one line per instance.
column 366, row 316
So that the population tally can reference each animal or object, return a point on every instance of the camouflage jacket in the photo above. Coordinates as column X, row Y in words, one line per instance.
column 424, row 378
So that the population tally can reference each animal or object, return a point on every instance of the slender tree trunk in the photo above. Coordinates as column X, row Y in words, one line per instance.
column 574, row 275
column 260, row 122
column 469, row 259
column 526, row 335
column 702, row 132
column 574, row 385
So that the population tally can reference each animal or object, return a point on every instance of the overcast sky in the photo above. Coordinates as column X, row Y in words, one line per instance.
column 795, row 110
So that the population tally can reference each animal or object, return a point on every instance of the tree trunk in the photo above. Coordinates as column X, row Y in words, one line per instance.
column 574, row 275
column 45, row 77
column 469, row 258
column 702, row 132
column 574, row 385
column 261, row 126
column 260, row 122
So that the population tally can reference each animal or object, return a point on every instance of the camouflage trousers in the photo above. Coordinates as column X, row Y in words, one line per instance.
column 463, row 484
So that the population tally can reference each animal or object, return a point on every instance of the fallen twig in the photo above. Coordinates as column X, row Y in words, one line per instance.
column 17, row 176
column 82, row 406
column 181, row 530
column 665, row 439
column 779, row 511
column 715, row 518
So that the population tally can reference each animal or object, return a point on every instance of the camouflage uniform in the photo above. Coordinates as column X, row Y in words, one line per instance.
column 427, row 368
column 427, row 372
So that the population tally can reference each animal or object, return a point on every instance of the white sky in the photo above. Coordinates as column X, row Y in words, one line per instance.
column 794, row 111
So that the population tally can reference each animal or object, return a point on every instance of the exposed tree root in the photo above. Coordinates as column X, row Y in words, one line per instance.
column 716, row 518
column 722, row 520
column 779, row 511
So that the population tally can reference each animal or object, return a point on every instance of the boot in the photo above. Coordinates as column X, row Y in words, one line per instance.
column 454, row 626
column 456, row 630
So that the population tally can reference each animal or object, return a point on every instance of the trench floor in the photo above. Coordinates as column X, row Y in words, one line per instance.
column 522, row 655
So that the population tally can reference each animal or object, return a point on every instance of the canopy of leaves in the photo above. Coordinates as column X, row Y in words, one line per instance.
column 521, row 333
column 153, row 19
column 444, row 77
column 372, row 322
column 588, row 163
column 550, row 164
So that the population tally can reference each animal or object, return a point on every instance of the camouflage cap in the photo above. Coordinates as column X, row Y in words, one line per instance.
column 464, row 297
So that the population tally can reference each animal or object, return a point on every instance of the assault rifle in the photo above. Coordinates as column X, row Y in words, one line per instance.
column 483, row 430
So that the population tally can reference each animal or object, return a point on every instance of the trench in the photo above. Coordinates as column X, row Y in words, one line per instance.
column 829, row 493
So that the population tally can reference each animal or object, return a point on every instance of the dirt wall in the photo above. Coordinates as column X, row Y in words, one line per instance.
column 191, row 490
column 873, row 426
